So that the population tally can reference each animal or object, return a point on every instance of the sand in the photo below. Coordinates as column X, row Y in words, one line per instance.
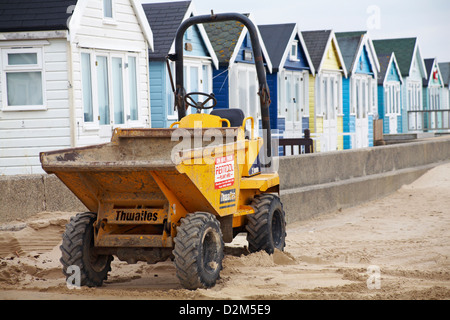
column 397, row 247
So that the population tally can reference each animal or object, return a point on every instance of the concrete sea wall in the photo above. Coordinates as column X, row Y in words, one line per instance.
column 310, row 184
column 323, row 182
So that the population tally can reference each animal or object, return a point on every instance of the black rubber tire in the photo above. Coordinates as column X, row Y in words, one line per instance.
column 266, row 228
column 76, row 249
column 198, row 251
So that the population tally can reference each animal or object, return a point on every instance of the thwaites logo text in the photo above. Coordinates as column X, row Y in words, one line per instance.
column 144, row 215
column 228, row 196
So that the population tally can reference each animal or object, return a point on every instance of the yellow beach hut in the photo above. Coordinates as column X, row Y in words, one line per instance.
column 325, row 105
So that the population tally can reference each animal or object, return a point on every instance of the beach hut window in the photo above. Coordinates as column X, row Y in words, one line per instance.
column 86, row 82
column 358, row 99
column 324, row 97
column 294, row 51
column 133, row 91
column 108, row 9
column 103, row 89
column 22, row 73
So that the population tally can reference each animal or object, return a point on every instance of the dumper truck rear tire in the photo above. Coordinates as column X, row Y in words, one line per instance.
column 78, row 250
column 198, row 251
column 266, row 228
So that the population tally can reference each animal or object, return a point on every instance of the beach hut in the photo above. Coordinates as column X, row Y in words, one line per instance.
column 289, row 80
column 199, row 58
column 412, row 68
column 433, row 88
column 389, row 94
column 325, row 89
column 235, row 83
column 359, row 89
column 445, row 71
column 71, row 72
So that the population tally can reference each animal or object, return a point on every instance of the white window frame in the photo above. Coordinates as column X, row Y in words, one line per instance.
column 415, row 102
column 294, row 57
column 109, row 20
column 6, row 68
column 322, row 95
column 331, row 99
column 172, row 115
column 303, row 90
column 364, row 95
column 250, row 109
column 285, row 103
column 95, row 124
column 126, row 105
column 340, row 105
column 128, row 94
column 392, row 98
column 434, row 96
column 431, row 102
column 305, row 87
column 188, row 35
column 281, row 91
column 373, row 97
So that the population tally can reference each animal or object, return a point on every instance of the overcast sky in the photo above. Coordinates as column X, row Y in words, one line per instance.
column 429, row 21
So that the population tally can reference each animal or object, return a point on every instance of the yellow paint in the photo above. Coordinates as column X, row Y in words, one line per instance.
column 238, row 221
column 331, row 61
column 202, row 172
column 252, row 122
column 319, row 124
column 340, row 130
column 200, row 120
column 253, row 148
column 177, row 209
column 261, row 182
column 165, row 189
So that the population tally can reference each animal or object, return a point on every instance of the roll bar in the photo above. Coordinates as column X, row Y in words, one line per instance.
column 264, row 94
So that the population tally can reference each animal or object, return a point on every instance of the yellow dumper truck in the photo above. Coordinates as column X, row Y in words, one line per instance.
column 179, row 192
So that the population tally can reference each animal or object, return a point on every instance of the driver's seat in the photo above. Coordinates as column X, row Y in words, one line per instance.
column 235, row 116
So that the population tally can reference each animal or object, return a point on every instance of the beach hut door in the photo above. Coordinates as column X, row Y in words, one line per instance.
column 415, row 118
column 330, row 85
column 246, row 95
column 293, row 104
column 362, row 110
column 392, row 103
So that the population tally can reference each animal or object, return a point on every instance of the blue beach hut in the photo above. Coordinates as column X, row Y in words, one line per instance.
column 289, row 80
column 235, row 83
column 389, row 94
column 412, row 68
column 199, row 58
column 359, row 89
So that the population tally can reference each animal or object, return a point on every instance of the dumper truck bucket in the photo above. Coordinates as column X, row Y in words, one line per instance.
column 123, row 172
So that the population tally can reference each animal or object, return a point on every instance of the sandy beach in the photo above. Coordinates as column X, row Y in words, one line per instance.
column 397, row 247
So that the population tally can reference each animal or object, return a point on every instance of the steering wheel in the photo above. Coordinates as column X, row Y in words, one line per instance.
column 199, row 105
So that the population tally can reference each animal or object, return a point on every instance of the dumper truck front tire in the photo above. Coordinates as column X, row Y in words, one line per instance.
column 198, row 251
column 266, row 228
column 78, row 250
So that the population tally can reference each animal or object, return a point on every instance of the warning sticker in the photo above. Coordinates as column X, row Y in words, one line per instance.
column 224, row 172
